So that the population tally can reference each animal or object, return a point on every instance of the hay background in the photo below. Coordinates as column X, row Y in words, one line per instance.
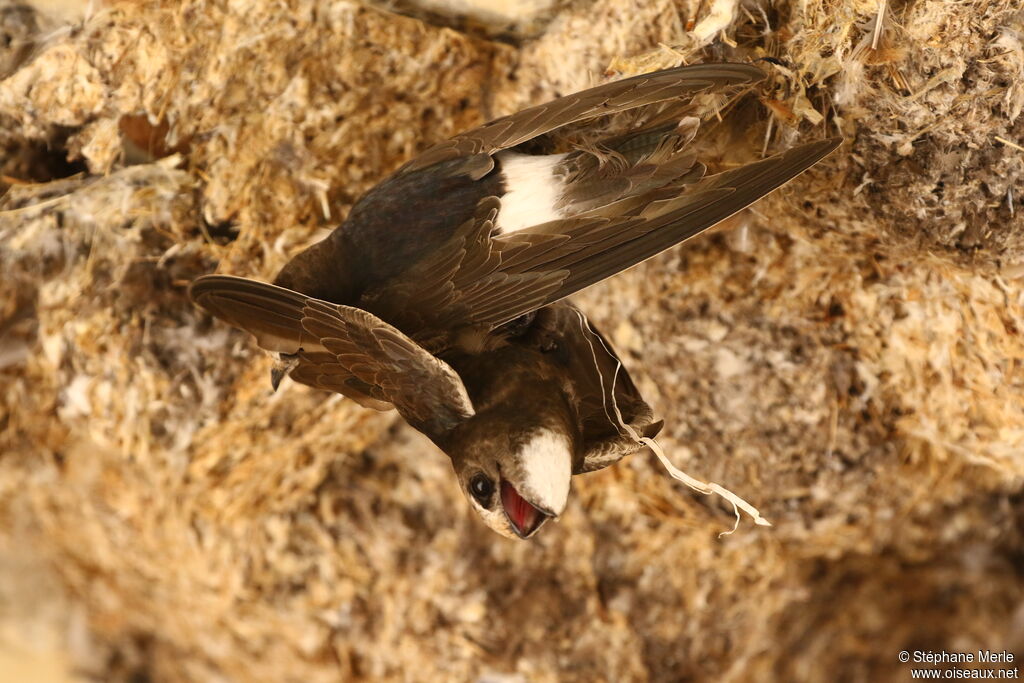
column 848, row 356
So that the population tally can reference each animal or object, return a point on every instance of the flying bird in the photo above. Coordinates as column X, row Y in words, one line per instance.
column 441, row 294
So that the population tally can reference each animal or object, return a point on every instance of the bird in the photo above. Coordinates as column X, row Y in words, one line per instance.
column 443, row 292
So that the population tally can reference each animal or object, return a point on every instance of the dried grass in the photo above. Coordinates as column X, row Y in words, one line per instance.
column 848, row 354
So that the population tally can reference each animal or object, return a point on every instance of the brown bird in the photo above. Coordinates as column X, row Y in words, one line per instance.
column 441, row 293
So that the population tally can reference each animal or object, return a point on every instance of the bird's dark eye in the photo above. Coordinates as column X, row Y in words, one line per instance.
column 482, row 489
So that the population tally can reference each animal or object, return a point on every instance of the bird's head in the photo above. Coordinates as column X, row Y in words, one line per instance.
column 515, row 477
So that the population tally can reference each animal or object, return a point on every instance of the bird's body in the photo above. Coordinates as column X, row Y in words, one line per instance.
column 440, row 294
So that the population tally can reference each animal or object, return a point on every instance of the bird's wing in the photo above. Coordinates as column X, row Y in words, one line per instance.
column 605, row 396
column 609, row 98
column 342, row 347
column 599, row 247
column 482, row 280
column 272, row 314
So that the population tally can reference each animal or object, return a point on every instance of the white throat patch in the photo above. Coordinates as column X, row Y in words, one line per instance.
column 531, row 190
column 546, row 460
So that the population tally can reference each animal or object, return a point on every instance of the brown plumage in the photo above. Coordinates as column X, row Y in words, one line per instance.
column 424, row 301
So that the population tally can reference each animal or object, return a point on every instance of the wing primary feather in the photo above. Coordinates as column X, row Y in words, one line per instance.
column 608, row 98
column 271, row 313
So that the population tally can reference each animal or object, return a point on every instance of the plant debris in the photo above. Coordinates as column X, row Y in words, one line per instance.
column 848, row 353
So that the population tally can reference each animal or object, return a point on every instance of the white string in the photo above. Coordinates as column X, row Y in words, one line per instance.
column 676, row 473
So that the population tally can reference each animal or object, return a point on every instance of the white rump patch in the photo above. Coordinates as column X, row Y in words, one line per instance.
column 547, row 461
column 531, row 190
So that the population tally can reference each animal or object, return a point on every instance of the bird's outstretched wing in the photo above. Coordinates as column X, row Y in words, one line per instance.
column 480, row 279
column 608, row 98
column 341, row 348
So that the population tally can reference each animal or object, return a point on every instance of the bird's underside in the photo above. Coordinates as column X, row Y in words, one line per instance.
column 468, row 249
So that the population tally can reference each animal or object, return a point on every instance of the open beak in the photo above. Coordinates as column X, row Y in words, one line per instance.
column 525, row 517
